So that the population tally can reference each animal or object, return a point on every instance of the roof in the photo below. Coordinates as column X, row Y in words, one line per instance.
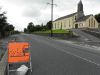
column 67, row 16
column 83, row 18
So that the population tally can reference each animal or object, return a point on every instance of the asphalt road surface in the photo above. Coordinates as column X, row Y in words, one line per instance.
column 54, row 57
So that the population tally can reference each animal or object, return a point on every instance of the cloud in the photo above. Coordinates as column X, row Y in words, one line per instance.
column 31, row 12
column 21, row 12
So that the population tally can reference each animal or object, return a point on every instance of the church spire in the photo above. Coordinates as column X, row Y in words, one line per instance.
column 80, row 6
column 80, row 11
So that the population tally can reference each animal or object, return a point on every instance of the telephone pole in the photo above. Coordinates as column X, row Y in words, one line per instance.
column 52, row 4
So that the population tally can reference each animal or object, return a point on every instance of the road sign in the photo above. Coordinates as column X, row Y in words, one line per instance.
column 18, row 52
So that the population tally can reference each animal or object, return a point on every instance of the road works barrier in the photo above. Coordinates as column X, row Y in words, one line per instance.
column 18, row 53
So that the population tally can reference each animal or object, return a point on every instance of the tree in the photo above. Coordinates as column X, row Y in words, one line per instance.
column 5, row 27
column 25, row 30
column 97, row 16
column 49, row 25
column 30, row 27
column 11, row 27
column 3, row 23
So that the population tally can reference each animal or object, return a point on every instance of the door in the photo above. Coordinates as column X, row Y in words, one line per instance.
column 76, row 26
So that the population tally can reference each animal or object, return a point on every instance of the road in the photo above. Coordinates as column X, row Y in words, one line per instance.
column 55, row 57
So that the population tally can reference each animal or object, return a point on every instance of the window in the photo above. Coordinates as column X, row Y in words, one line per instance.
column 55, row 25
column 69, row 23
column 58, row 25
column 81, row 24
column 61, row 25
column 94, row 23
column 64, row 24
column 89, row 22
column 75, row 17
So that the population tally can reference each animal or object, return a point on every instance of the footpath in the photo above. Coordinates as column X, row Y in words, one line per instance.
column 3, row 56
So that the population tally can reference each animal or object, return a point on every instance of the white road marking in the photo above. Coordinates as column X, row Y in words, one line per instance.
column 71, row 53
column 82, row 58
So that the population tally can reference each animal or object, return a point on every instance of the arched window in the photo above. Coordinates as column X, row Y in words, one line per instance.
column 58, row 25
column 64, row 24
column 69, row 23
column 94, row 23
column 55, row 25
column 61, row 25
column 89, row 22
column 75, row 17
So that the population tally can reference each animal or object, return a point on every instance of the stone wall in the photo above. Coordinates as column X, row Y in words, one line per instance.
column 3, row 64
column 57, row 35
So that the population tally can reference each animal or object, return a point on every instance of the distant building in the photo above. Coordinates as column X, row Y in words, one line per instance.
column 76, row 20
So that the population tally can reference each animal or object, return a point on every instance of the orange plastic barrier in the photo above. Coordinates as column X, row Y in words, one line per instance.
column 18, row 52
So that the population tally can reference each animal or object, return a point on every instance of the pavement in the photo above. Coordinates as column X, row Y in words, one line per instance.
column 3, row 44
column 3, row 53
column 85, row 38
column 54, row 57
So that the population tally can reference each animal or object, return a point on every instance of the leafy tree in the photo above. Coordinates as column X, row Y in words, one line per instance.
column 38, row 28
column 49, row 25
column 5, row 27
column 30, row 27
column 97, row 16
column 11, row 28
column 16, row 32
column 25, row 30
column 3, row 23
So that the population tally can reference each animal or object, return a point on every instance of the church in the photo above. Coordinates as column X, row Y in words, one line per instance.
column 76, row 20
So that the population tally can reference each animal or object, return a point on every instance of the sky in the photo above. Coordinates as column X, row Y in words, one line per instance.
column 21, row 12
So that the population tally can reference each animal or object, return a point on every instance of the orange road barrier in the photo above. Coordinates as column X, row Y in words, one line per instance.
column 18, row 52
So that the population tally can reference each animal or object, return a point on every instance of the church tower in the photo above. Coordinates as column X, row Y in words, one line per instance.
column 80, row 12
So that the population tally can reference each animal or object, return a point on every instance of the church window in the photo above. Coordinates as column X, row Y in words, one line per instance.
column 64, row 24
column 69, row 23
column 61, row 25
column 55, row 25
column 89, row 22
column 75, row 17
column 58, row 25
column 94, row 23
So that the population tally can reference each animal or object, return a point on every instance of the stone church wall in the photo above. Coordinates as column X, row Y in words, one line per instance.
column 92, row 22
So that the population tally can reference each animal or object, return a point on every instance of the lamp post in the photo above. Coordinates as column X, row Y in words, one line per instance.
column 52, row 4
column 51, row 18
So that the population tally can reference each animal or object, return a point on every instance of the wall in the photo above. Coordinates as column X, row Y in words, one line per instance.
column 67, row 23
column 81, row 24
column 3, row 64
column 92, row 25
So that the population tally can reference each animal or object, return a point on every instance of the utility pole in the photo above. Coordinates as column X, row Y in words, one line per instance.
column 52, row 4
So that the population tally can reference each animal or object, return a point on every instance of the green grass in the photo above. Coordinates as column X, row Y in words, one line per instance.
column 54, row 31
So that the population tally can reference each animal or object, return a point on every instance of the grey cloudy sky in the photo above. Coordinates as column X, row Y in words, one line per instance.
column 21, row 12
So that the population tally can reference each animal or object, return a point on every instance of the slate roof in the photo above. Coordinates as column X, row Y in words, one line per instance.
column 83, row 18
column 67, row 16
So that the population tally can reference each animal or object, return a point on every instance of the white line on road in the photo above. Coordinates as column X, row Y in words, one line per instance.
column 68, row 52
column 82, row 58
